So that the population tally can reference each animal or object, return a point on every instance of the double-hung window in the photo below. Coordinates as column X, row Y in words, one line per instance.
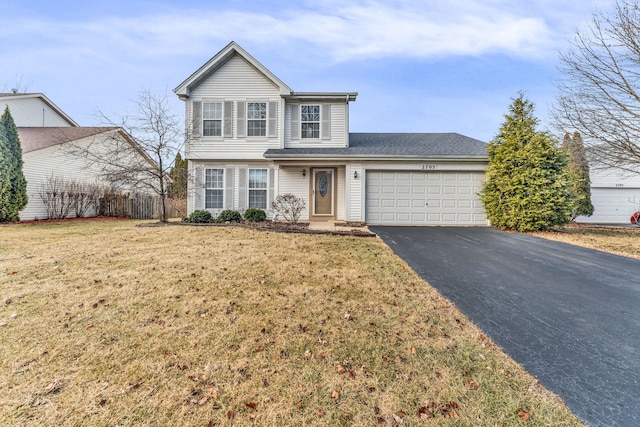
column 214, row 188
column 310, row 121
column 256, row 119
column 212, row 119
column 258, row 188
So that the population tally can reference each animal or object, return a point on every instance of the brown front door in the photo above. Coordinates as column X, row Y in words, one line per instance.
column 323, row 192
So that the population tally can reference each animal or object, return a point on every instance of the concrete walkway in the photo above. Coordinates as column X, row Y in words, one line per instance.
column 336, row 226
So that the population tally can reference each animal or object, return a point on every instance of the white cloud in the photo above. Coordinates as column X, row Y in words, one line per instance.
column 335, row 31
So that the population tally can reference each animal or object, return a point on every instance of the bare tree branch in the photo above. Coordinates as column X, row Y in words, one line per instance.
column 598, row 93
column 138, row 152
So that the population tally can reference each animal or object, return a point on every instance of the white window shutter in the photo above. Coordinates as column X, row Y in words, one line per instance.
column 295, row 122
column 326, row 121
column 242, row 114
column 196, row 117
column 228, row 119
column 243, row 196
column 228, row 188
column 270, row 195
column 198, row 192
column 273, row 119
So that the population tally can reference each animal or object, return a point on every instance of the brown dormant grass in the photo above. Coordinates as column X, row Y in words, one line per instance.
column 105, row 324
column 616, row 240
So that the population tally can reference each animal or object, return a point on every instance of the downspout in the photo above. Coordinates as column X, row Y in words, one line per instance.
column 43, row 117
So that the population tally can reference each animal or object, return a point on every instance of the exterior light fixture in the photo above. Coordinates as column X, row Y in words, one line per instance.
column 304, row 172
column 355, row 175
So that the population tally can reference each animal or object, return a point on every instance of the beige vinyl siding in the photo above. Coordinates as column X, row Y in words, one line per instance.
column 338, row 125
column 355, row 193
column 340, row 188
column 292, row 181
column 33, row 112
column 236, row 79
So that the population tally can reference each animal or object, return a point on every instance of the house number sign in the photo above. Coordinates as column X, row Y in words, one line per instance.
column 428, row 167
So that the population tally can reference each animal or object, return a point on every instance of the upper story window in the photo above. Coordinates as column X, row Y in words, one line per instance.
column 214, row 188
column 256, row 119
column 310, row 121
column 212, row 119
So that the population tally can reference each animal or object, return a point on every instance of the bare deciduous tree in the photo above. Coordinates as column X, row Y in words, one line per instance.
column 598, row 93
column 158, row 135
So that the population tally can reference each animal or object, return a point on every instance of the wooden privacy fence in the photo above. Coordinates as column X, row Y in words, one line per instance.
column 134, row 206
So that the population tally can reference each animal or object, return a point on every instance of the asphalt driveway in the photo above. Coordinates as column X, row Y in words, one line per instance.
column 570, row 315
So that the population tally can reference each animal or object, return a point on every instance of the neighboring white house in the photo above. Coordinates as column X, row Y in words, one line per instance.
column 48, row 151
column 251, row 138
column 615, row 196
column 34, row 109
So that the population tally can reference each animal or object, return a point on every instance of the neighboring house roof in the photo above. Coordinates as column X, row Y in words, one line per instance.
column 37, row 138
column 43, row 98
column 184, row 89
column 393, row 145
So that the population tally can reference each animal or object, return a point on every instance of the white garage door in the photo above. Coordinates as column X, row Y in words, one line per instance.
column 424, row 198
column 613, row 205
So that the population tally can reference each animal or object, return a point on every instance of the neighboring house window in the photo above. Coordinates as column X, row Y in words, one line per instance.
column 212, row 119
column 214, row 188
column 258, row 188
column 310, row 121
column 256, row 119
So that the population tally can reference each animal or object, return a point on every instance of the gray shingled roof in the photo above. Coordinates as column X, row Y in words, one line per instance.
column 370, row 145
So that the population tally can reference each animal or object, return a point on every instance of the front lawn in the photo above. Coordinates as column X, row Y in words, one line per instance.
column 623, row 241
column 105, row 324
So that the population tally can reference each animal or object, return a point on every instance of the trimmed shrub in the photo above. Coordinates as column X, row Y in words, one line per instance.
column 255, row 215
column 199, row 217
column 229, row 216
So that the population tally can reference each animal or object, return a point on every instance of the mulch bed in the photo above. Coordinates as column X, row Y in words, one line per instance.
column 279, row 227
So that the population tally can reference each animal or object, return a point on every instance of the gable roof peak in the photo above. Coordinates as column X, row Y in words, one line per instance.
column 183, row 90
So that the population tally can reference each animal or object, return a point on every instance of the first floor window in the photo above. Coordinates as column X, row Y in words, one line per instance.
column 214, row 188
column 310, row 121
column 257, row 119
column 258, row 188
column 212, row 119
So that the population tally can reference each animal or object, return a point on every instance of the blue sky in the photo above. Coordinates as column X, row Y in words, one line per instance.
column 418, row 65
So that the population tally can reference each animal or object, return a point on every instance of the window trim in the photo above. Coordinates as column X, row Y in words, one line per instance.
column 221, row 119
column 265, row 119
column 265, row 188
column 222, row 188
column 319, row 122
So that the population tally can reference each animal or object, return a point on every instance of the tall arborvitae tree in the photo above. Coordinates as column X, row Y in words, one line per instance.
column 579, row 170
column 179, row 175
column 13, row 185
column 528, row 183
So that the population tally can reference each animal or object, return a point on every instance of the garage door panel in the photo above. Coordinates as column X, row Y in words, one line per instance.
column 403, row 203
column 399, row 198
column 613, row 205
column 449, row 190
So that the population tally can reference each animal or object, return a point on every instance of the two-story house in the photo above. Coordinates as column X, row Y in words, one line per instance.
column 251, row 138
